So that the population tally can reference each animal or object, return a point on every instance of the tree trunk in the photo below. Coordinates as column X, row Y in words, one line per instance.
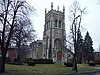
column 75, row 63
column 75, row 57
column 2, row 63
column 83, row 60
column 18, row 55
column 88, row 61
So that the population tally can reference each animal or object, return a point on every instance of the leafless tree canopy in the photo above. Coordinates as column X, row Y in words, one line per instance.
column 75, row 17
column 12, row 13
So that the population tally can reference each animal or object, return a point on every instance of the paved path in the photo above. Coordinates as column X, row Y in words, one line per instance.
column 88, row 73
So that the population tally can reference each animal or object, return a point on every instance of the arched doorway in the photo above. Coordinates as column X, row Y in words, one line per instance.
column 59, row 55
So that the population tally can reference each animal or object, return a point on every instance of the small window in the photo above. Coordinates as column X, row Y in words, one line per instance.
column 47, row 25
column 56, row 23
column 59, row 24
column 44, row 55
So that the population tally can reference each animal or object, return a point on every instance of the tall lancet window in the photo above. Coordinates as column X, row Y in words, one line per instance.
column 56, row 23
column 49, row 24
column 59, row 24
column 57, row 44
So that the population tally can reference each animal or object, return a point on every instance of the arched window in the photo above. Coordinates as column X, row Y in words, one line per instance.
column 48, row 24
column 57, row 44
column 56, row 23
column 59, row 24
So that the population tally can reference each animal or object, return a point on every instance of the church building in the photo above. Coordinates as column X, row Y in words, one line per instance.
column 54, row 38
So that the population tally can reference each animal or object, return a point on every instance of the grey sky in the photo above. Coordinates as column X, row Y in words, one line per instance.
column 90, row 21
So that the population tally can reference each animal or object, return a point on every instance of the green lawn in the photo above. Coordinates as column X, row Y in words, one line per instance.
column 43, row 69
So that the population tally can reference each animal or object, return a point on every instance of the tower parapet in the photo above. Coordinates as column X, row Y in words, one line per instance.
column 58, row 8
column 45, row 10
column 53, row 10
column 64, row 9
column 51, row 5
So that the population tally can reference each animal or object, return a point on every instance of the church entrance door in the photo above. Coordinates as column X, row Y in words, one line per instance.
column 59, row 55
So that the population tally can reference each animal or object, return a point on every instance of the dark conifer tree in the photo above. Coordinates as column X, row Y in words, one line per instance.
column 88, row 49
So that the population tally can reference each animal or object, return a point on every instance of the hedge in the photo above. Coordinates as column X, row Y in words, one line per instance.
column 68, row 64
column 40, row 61
column 31, row 63
column 28, row 60
column 43, row 61
column 91, row 64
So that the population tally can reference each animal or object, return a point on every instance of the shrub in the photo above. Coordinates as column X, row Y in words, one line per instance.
column 98, row 63
column 91, row 64
column 68, row 64
column 15, row 60
column 8, row 60
column 31, row 63
column 39, row 61
column 28, row 60
column 18, row 63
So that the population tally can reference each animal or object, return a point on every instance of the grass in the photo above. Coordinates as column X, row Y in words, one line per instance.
column 44, row 69
column 85, row 68
column 53, row 68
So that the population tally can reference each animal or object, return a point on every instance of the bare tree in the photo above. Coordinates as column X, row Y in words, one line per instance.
column 75, row 18
column 11, row 11
column 23, row 34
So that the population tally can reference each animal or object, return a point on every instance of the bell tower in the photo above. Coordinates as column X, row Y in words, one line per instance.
column 54, row 35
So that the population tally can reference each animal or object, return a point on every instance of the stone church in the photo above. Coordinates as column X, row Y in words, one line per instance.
column 54, row 37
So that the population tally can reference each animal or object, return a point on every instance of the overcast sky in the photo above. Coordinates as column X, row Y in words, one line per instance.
column 90, row 21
